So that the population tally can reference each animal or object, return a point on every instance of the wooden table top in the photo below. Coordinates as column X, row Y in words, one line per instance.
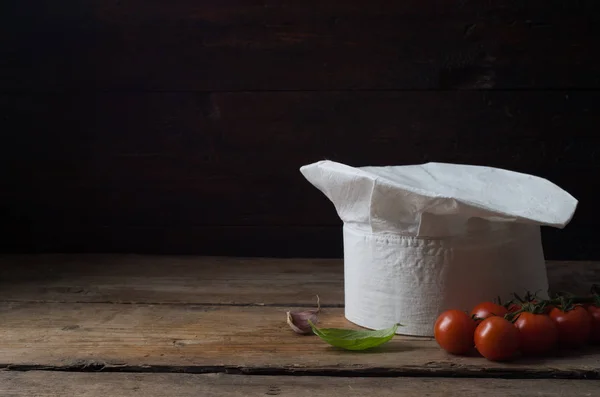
column 102, row 325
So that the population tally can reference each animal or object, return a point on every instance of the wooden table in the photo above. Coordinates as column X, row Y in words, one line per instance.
column 127, row 325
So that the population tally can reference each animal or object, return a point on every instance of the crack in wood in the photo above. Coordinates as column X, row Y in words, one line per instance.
column 454, row 372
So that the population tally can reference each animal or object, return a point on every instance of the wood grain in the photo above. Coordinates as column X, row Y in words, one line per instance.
column 289, row 45
column 52, row 384
column 173, row 163
column 171, row 279
column 246, row 340
column 204, row 280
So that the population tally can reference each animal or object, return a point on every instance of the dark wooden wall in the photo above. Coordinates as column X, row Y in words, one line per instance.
column 179, row 126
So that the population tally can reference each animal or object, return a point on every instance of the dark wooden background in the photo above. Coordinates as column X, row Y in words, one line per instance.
column 179, row 126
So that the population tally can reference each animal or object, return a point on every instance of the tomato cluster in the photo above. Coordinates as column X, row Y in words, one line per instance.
column 531, row 327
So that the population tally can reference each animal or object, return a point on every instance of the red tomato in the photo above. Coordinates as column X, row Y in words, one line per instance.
column 574, row 326
column 488, row 309
column 548, row 308
column 497, row 339
column 454, row 331
column 537, row 333
column 594, row 312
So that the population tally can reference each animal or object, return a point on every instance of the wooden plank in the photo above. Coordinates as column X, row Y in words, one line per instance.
column 289, row 45
column 151, row 159
column 245, row 340
column 23, row 234
column 175, row 139
column 171, row 279
column 195, row 173
column 52, row 384
column 204, row 280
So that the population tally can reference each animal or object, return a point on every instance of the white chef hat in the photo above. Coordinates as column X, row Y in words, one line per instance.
column 420, row 239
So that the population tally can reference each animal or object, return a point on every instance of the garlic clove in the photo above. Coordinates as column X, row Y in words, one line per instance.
column 299, row 321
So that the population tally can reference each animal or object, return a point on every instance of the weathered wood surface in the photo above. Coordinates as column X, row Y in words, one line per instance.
column 179, row 172
column 170, row 279
column 53, row 384
column 51, row 319
column 288, row 45
column 244, row 340
column 164, row 143
column 204, row 280
column 179, row 127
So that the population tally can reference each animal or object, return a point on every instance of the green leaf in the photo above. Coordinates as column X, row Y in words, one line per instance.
column 350, row 339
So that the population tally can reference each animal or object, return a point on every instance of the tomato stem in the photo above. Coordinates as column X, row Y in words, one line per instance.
column 565, row 301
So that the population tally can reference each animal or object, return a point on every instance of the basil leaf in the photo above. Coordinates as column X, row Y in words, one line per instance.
column 350, row 339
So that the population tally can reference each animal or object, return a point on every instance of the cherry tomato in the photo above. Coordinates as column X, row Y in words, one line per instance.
column 574, row 326
column 594, row 312
column 537, row 333
column 488, row 309
column 497, row 339
column 454, row 331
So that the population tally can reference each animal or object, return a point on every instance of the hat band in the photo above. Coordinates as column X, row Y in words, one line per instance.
column 410, row 280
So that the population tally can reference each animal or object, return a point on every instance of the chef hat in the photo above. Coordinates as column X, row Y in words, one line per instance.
column 420, row 239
